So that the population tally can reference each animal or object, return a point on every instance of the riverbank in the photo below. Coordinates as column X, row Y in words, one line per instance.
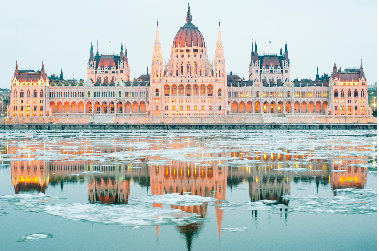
column 259, row 126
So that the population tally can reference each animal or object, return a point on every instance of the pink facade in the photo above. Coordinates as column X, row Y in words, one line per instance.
column 189, row 88
column 349, row 93
column 28, row 93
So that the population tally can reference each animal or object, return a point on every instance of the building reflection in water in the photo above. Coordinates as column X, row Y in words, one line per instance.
column 109, row 182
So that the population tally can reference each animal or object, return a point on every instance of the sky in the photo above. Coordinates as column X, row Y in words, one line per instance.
column 59, row 33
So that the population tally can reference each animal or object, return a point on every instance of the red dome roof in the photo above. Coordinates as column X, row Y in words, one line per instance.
column 188, row 35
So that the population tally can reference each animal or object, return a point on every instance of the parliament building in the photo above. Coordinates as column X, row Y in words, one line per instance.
column 189, row 88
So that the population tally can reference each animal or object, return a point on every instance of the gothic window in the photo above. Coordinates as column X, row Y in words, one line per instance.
column 219, row 92
column 34, row 94
column 41, row 94
column 355, row 93
column 15, row 94
column 181, row 69
column 28, row 94
column 257, row 94
column 362, row 93
column 195, row 89
column 202, row 89
column 336, row 93
column 173, row 90
column 188, row 90
column 349, row 93
column 195, row 69
column 181, row 89
column 157, row 92
column 342, row 94
column 188, row 69
column 210, row 90
column 167, row 90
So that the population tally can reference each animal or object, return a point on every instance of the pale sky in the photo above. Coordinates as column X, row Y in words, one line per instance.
column 318, row 33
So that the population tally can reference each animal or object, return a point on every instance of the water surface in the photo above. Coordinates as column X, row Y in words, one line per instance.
column 219, row 190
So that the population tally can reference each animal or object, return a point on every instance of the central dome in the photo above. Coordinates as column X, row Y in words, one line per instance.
column 188, row 35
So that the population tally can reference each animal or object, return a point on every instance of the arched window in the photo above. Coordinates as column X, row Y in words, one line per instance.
column 181, row 89
column 21, row 94
column 188, row 90
column 188, row 69
column 195, row 89
column 157, row 92
column 41, row 94
column 202, row 89
column 28, row 94
column 181, row 69
column 336, row 93
column 34, row 94
column 355, row 93
column 195, row 68
column 349, row 93
column 219, row 92
column 362, row 93
column 210, row 90
column 167, row 90
column 219, row 73
column 173, row 90
column 342, row 94
column 15, row 94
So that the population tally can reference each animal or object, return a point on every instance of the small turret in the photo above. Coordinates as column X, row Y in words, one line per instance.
column 61, row 75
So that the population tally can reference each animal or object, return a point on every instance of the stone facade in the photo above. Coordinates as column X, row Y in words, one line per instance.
column 189, row 89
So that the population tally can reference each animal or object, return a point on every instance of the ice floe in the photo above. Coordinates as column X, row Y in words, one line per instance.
column 34, row 237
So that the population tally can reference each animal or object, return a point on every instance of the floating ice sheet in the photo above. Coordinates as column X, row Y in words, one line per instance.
column 125, row 215
column 34, row 237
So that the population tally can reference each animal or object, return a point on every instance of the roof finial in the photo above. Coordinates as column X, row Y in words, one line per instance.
column 189, row 16
column 16, row 65
column 157, row 23
column 361, row 63
column 219, row 23
column 43, row 66
column 97, row 46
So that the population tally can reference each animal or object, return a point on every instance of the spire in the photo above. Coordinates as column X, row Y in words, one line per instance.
column 189, row 16
column 97, row 47
column 256, row 48
column 219, row 33
column 91, row 47
column 361, row 64
column 157, row 230
column 122, row 47
column 43, row 66
column 61, row 76
column 285, row 48
column 16, row 65
column 157, row 41
column 147, row 70
column 219, row 216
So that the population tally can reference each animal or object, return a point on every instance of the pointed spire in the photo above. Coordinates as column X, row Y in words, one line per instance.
column 157, row 42
column 219, row 33
column 43, row 66
column 189, row 16
column 285, row 47
column 157, row 230
column 147, row 70
column 91, row 47
column 256, row 47
column 361, row 64
column 16, row 65
column 122, row 47
column 97, row 47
